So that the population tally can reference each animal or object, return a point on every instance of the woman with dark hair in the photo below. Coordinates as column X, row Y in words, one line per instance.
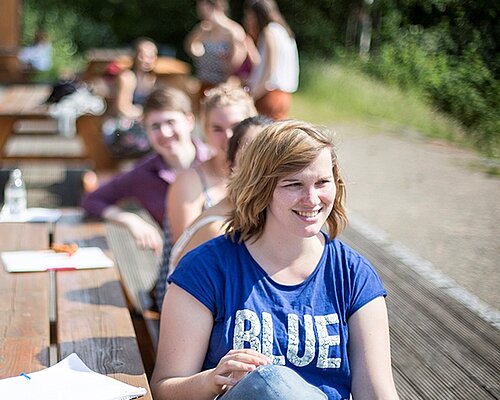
column 276, row 77
column 278, row 307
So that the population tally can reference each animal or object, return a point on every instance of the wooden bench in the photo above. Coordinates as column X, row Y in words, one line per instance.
column 53, row 314
column 139, row 271
column 26, row 102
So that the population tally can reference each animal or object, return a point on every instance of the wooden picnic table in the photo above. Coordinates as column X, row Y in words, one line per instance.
column 99, row 59
column 26, row 102
column 48, row 315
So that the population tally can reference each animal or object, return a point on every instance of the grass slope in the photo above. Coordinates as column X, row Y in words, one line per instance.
column 336, row 93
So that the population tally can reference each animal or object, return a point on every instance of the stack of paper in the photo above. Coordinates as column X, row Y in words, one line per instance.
column 43, row 260
column 68, row 379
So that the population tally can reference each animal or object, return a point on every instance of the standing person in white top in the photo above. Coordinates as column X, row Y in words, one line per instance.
column 38, row 56
column 276, row 77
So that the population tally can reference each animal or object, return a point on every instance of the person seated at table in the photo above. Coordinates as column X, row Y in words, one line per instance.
column 168, row 121
column 277, row 308
column 124, row 133
column 202, row 186
column 211, row 221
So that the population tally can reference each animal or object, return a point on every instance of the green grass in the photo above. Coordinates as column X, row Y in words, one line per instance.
column 336, row 93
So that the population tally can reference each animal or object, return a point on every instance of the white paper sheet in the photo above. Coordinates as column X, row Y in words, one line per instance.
column 32, row 215
column 68, row 379
column 43, row 260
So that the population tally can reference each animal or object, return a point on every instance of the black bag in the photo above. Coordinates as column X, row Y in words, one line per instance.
column 125, row 138
column 60, row 90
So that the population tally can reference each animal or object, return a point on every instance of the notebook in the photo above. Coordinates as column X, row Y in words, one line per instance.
column 71, row 379
column 43, row 260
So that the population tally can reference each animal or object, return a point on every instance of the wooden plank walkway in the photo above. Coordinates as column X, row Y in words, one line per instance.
column 440, row 349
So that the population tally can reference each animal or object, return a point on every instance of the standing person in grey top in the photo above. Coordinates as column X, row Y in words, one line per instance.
column 216, row 45
column 168, row 121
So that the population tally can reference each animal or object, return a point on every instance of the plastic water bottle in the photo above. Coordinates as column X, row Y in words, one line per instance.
column 15, row 199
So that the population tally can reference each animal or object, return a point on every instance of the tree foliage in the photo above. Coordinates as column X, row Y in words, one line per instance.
column 446, row 49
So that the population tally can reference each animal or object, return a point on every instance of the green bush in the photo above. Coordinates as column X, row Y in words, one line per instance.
column 459, row 84
column 69, row 32
column 446, row 50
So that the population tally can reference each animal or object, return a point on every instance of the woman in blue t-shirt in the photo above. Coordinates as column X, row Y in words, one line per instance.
column 277, row 308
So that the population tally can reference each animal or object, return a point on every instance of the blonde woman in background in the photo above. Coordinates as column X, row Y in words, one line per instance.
column 210, row 223
column 197, row 189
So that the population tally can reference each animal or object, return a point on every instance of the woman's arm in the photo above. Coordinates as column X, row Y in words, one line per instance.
column 260, row 89
column 186, row 326
column 184, row 202
column 239, row 49
column 126, row 85
column 146, row 235
column 253, row 53
column 369, row 353
column 193, row 43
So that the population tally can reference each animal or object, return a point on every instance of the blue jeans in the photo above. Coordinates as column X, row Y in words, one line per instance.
column 273, row 382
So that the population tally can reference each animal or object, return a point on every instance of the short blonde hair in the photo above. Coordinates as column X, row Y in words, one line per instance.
column 281, row 149
column 226, row 95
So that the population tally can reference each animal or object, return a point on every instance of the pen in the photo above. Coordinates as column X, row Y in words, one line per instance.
column 25, row 375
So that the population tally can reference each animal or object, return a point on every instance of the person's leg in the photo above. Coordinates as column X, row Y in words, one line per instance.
column 273, row 382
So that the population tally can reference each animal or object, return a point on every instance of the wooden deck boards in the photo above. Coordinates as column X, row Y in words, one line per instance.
column 440, row 349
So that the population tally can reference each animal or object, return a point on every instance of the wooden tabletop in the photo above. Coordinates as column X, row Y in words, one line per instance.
column 25, row 100
column 88, row 314
column 24, row 305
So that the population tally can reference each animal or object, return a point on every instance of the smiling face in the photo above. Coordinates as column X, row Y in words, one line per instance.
column 169, row 132
column 219, row 126
column 302, row 201
column 146, row 56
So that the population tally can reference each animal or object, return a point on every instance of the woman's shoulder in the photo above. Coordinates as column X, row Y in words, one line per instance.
column 339, row 248
column 187, row 184
column 346, row 258
column 219, row 247
column 235, row 30
column 191, row 175
column 127, row 76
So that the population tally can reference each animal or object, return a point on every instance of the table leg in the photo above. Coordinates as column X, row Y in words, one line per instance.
column 88, row 127
column 6, row 127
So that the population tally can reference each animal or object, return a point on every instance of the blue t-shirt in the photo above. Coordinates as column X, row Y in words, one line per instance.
column 301, row 326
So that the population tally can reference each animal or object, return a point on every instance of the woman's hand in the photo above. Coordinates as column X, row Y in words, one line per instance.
column 235, row 365
column 146, row 236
